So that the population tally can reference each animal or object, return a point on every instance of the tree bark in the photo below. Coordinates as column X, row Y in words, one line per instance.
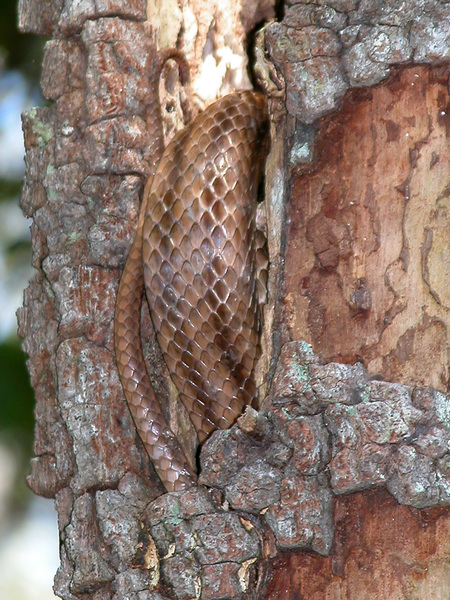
column 292, row 501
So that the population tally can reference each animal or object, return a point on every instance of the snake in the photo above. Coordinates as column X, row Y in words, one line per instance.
column 202, row 262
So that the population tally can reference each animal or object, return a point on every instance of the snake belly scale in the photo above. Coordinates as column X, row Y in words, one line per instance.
column 203, row 262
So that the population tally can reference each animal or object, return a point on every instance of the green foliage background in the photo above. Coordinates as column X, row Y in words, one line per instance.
column 20, row 52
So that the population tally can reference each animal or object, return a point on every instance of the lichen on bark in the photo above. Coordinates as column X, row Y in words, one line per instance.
column 286, row 478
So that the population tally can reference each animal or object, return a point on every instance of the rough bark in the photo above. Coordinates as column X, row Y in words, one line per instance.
column 357, row 194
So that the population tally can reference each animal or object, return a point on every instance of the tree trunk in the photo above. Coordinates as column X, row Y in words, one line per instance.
column 340, row 485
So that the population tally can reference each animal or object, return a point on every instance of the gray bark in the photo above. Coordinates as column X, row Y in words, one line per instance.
column 269, row 484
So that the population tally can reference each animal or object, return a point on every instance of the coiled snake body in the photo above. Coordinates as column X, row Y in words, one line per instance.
column 202, row 259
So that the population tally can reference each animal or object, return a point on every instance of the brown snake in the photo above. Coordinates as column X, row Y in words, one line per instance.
column 203, row 262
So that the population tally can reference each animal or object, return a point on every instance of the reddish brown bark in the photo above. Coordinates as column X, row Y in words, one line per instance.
column 381, row 550
column 368, row 237
column 324, row 429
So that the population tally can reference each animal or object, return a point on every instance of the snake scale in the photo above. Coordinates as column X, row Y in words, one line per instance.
column 202, row 261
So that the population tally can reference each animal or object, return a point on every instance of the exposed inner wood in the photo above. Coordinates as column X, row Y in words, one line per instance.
column 381, row 550
column 368, row 253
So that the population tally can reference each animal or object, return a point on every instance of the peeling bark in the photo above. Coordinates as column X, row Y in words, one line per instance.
column 357, row 194
column 370, row 222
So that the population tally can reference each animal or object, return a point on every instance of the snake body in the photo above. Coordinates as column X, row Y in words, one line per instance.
column 202, row 259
